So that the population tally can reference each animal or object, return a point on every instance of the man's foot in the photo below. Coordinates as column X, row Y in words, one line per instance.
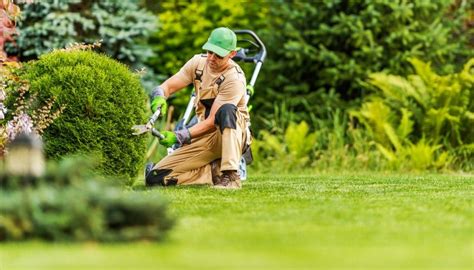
column 229, row 180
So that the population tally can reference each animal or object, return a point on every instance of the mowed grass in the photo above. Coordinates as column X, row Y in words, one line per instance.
column 326, row 221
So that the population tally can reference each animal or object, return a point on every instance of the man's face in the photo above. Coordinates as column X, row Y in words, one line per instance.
column 216, row 62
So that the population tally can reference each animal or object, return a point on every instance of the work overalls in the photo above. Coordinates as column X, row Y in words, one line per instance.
column 191, row 163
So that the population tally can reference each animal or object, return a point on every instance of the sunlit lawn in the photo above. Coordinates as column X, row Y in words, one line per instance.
column 362, row 221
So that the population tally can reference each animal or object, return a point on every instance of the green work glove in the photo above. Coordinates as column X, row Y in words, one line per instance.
column 169, row 138
column 158, row 99
column 157, row 102
column 182, row 136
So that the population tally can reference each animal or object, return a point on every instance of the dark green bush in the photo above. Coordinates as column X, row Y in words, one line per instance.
column 70, row 203
column 103, row 101
column 316, row 46
column 319, row 49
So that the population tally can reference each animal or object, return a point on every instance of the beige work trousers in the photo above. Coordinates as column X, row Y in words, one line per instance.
column 191, row 163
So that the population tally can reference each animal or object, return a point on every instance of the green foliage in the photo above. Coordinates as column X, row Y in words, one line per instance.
column 416, row 120
column 334, row 45
column 290, row 153
column 21, row 113
column 103, row 101
column 70, row 203
column 340, row 146
column 121, row 25
column 317, row 53
column 333, row 146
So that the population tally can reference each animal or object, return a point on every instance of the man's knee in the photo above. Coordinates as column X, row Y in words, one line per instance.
column 226, row 117
column 157, row 177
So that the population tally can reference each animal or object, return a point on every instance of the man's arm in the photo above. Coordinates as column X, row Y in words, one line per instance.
column 231, row 94
column 183, row 136
column 163, row 91
column 172, row 85
column 205, row 126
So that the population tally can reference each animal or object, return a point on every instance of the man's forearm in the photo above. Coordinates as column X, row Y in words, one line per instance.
column 172, row 85
column 202, row 128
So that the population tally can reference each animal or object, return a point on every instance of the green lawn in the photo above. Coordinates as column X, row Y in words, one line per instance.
column 361, row 221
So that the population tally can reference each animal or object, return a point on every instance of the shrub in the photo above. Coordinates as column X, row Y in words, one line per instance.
column 103, row 101
column 70, row 203
column 318, row 48
column 21, row 111
column 420, row 121
column 322, row 45
column 122, row 25
column 290, row 152
column 334, row 145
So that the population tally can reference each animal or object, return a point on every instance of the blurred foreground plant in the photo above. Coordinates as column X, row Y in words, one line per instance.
column 71, row 203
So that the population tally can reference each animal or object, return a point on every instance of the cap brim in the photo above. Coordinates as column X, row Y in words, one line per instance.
column 215, row 49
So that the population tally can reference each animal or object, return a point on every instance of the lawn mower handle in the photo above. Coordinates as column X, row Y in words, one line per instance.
column 257, row 59
column 260, row 56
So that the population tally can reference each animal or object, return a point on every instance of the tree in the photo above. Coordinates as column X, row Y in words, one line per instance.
column 121, row 25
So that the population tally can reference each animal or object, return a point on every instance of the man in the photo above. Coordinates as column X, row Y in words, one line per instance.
column 211, row 150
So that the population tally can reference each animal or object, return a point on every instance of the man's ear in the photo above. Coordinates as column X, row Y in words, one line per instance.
column 232, row 54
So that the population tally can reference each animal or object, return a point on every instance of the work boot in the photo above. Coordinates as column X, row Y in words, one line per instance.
column 229, row 180
column 216, row 172
column 148, row 167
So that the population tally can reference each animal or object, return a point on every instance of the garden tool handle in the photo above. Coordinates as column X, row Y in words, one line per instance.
column 153, row 118
column 156, row 133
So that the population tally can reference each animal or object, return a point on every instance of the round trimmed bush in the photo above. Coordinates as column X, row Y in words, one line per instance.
column 103, row 99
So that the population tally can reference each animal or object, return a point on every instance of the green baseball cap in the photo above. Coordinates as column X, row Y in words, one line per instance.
column 222, row 41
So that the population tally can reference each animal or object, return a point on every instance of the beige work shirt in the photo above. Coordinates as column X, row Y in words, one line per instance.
column 232, row 89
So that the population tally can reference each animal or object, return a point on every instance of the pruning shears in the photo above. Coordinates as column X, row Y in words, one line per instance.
column 148, row 127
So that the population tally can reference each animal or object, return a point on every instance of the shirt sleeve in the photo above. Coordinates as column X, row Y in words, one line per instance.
column 186, row 73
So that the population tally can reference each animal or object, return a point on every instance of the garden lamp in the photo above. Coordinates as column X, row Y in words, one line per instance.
column 25, row 156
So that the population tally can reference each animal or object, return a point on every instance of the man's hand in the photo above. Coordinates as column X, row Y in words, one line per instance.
column 159, row 102
column 181, row 136
column 169, row 138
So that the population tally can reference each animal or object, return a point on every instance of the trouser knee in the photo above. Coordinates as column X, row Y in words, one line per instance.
column 226, row 117
column 157, row 177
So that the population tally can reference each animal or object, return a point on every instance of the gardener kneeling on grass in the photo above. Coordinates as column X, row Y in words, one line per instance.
column 211, row 150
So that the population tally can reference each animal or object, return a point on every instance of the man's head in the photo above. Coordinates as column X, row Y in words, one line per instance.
column 221, row 46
